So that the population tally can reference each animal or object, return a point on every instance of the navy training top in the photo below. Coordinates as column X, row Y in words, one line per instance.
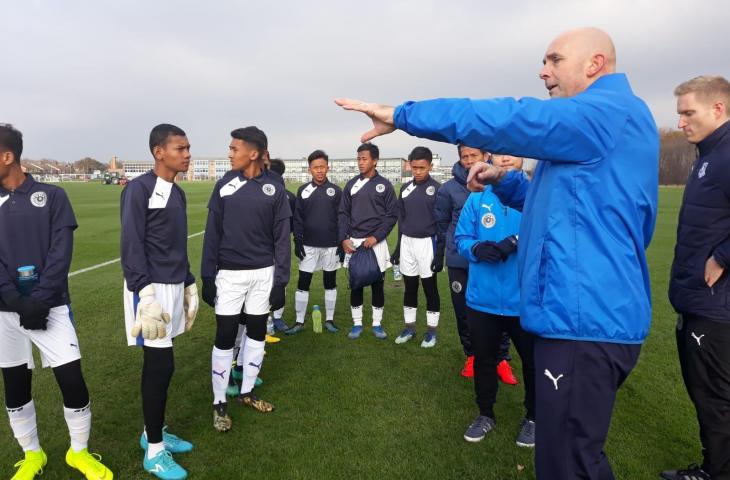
column 154, row 240
column 37, row 224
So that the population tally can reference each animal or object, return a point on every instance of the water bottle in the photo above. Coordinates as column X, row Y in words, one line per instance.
column 27, row 279
column 269, row 326
column 316, row 319
column 397, row 276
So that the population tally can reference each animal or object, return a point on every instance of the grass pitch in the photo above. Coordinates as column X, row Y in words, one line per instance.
column 344, row 409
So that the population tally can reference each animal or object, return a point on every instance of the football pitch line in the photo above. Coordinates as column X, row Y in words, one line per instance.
column 110, row 262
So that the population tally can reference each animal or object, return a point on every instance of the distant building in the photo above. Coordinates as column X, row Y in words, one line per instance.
column 395, row 169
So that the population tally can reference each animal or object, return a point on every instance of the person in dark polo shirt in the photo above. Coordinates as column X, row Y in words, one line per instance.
column 37, row 225
column 245, row 264
column 699, row 288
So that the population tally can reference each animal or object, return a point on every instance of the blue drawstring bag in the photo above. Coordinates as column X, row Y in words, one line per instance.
column 363, row 268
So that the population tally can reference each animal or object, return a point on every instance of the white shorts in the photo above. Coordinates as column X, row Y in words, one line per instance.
column 381, row 253
column 236, row 288
column 319, row 258
column 58, row 344
column 171, row 297
column 416, row 255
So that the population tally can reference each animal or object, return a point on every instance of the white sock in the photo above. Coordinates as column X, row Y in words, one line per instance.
column 330, row 299
column 221, row 361
column 409, row 315
column 239, row 356
column 253, row 358
column 24, row 426
column 239, row 335
column 78, row 421
column 279, row 313
column 432, row 319
column 377, row 316
column 153, row 449
column 356, row 315
column 301, row 299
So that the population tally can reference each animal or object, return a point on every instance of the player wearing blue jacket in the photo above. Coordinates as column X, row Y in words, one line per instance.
column 450, row 198
column 486, row 236
column 587, row 222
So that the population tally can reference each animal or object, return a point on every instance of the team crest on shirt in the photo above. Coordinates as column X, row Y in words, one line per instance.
column 703, row 170
column 456, row 286
column 430, row 190
column 269, row 189
column 331, row 192
column 489, row 220
column 380, row 188
column 39, row 199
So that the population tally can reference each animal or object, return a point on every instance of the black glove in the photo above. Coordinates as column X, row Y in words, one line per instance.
column 33, row 313
column 395, row 258
column 437, row 264
column 341, row 253
column 507, row 246
column 209, row 291
column 299, row 249
column 277, row 297
column 486, row 251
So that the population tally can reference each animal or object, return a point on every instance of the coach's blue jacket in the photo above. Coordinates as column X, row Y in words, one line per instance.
column 492, row 287
column 449, row 201
column 590, row 210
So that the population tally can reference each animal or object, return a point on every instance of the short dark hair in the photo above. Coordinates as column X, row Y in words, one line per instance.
column 161, row 133
column 421, row 153
column 370, row 147
column 11, row 140
column 317, row 154
column 459, row 145
column 253, row 135
column 277, row 165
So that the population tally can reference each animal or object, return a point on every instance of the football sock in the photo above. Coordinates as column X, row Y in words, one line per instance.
column 23, row 424
column 221, row 361
column 330, row 299
column 357, row 315
column 78, row 421
column 301, row 299
column 253, row 358
column 377, row 316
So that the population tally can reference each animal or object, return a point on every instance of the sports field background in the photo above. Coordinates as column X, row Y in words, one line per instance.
column 344, row 409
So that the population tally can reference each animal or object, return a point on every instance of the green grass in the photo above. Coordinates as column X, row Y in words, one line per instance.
column 345, row 409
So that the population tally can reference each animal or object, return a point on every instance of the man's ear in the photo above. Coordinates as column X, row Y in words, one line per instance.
column 598, row 62
column 719, row 110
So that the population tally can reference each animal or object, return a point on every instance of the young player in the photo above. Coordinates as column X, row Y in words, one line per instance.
column 449, row 201
column 420, row 251
column 37, row 224
column 160, row 295
column 245, row 265
column 315, row 239
column 486, row 235
column 368, row 212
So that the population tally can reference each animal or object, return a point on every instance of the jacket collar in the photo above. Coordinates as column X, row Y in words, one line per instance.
column 709, row 142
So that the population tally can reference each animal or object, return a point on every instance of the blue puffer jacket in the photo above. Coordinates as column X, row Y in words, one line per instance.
column 703, row 230
column 589, row 212
column 492, row 287
column 449, row 201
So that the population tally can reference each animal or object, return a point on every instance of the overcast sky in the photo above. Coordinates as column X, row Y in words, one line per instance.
column 85, row 78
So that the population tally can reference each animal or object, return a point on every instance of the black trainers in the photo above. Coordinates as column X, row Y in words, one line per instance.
column 526, row 437
column 693, row 472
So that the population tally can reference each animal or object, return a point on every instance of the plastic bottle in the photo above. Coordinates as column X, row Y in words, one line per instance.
column 396, row 273
column 27, row 279
column 269, row 326
column 316, row 319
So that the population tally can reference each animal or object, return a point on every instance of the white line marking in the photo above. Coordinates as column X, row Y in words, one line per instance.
column 109, row 262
